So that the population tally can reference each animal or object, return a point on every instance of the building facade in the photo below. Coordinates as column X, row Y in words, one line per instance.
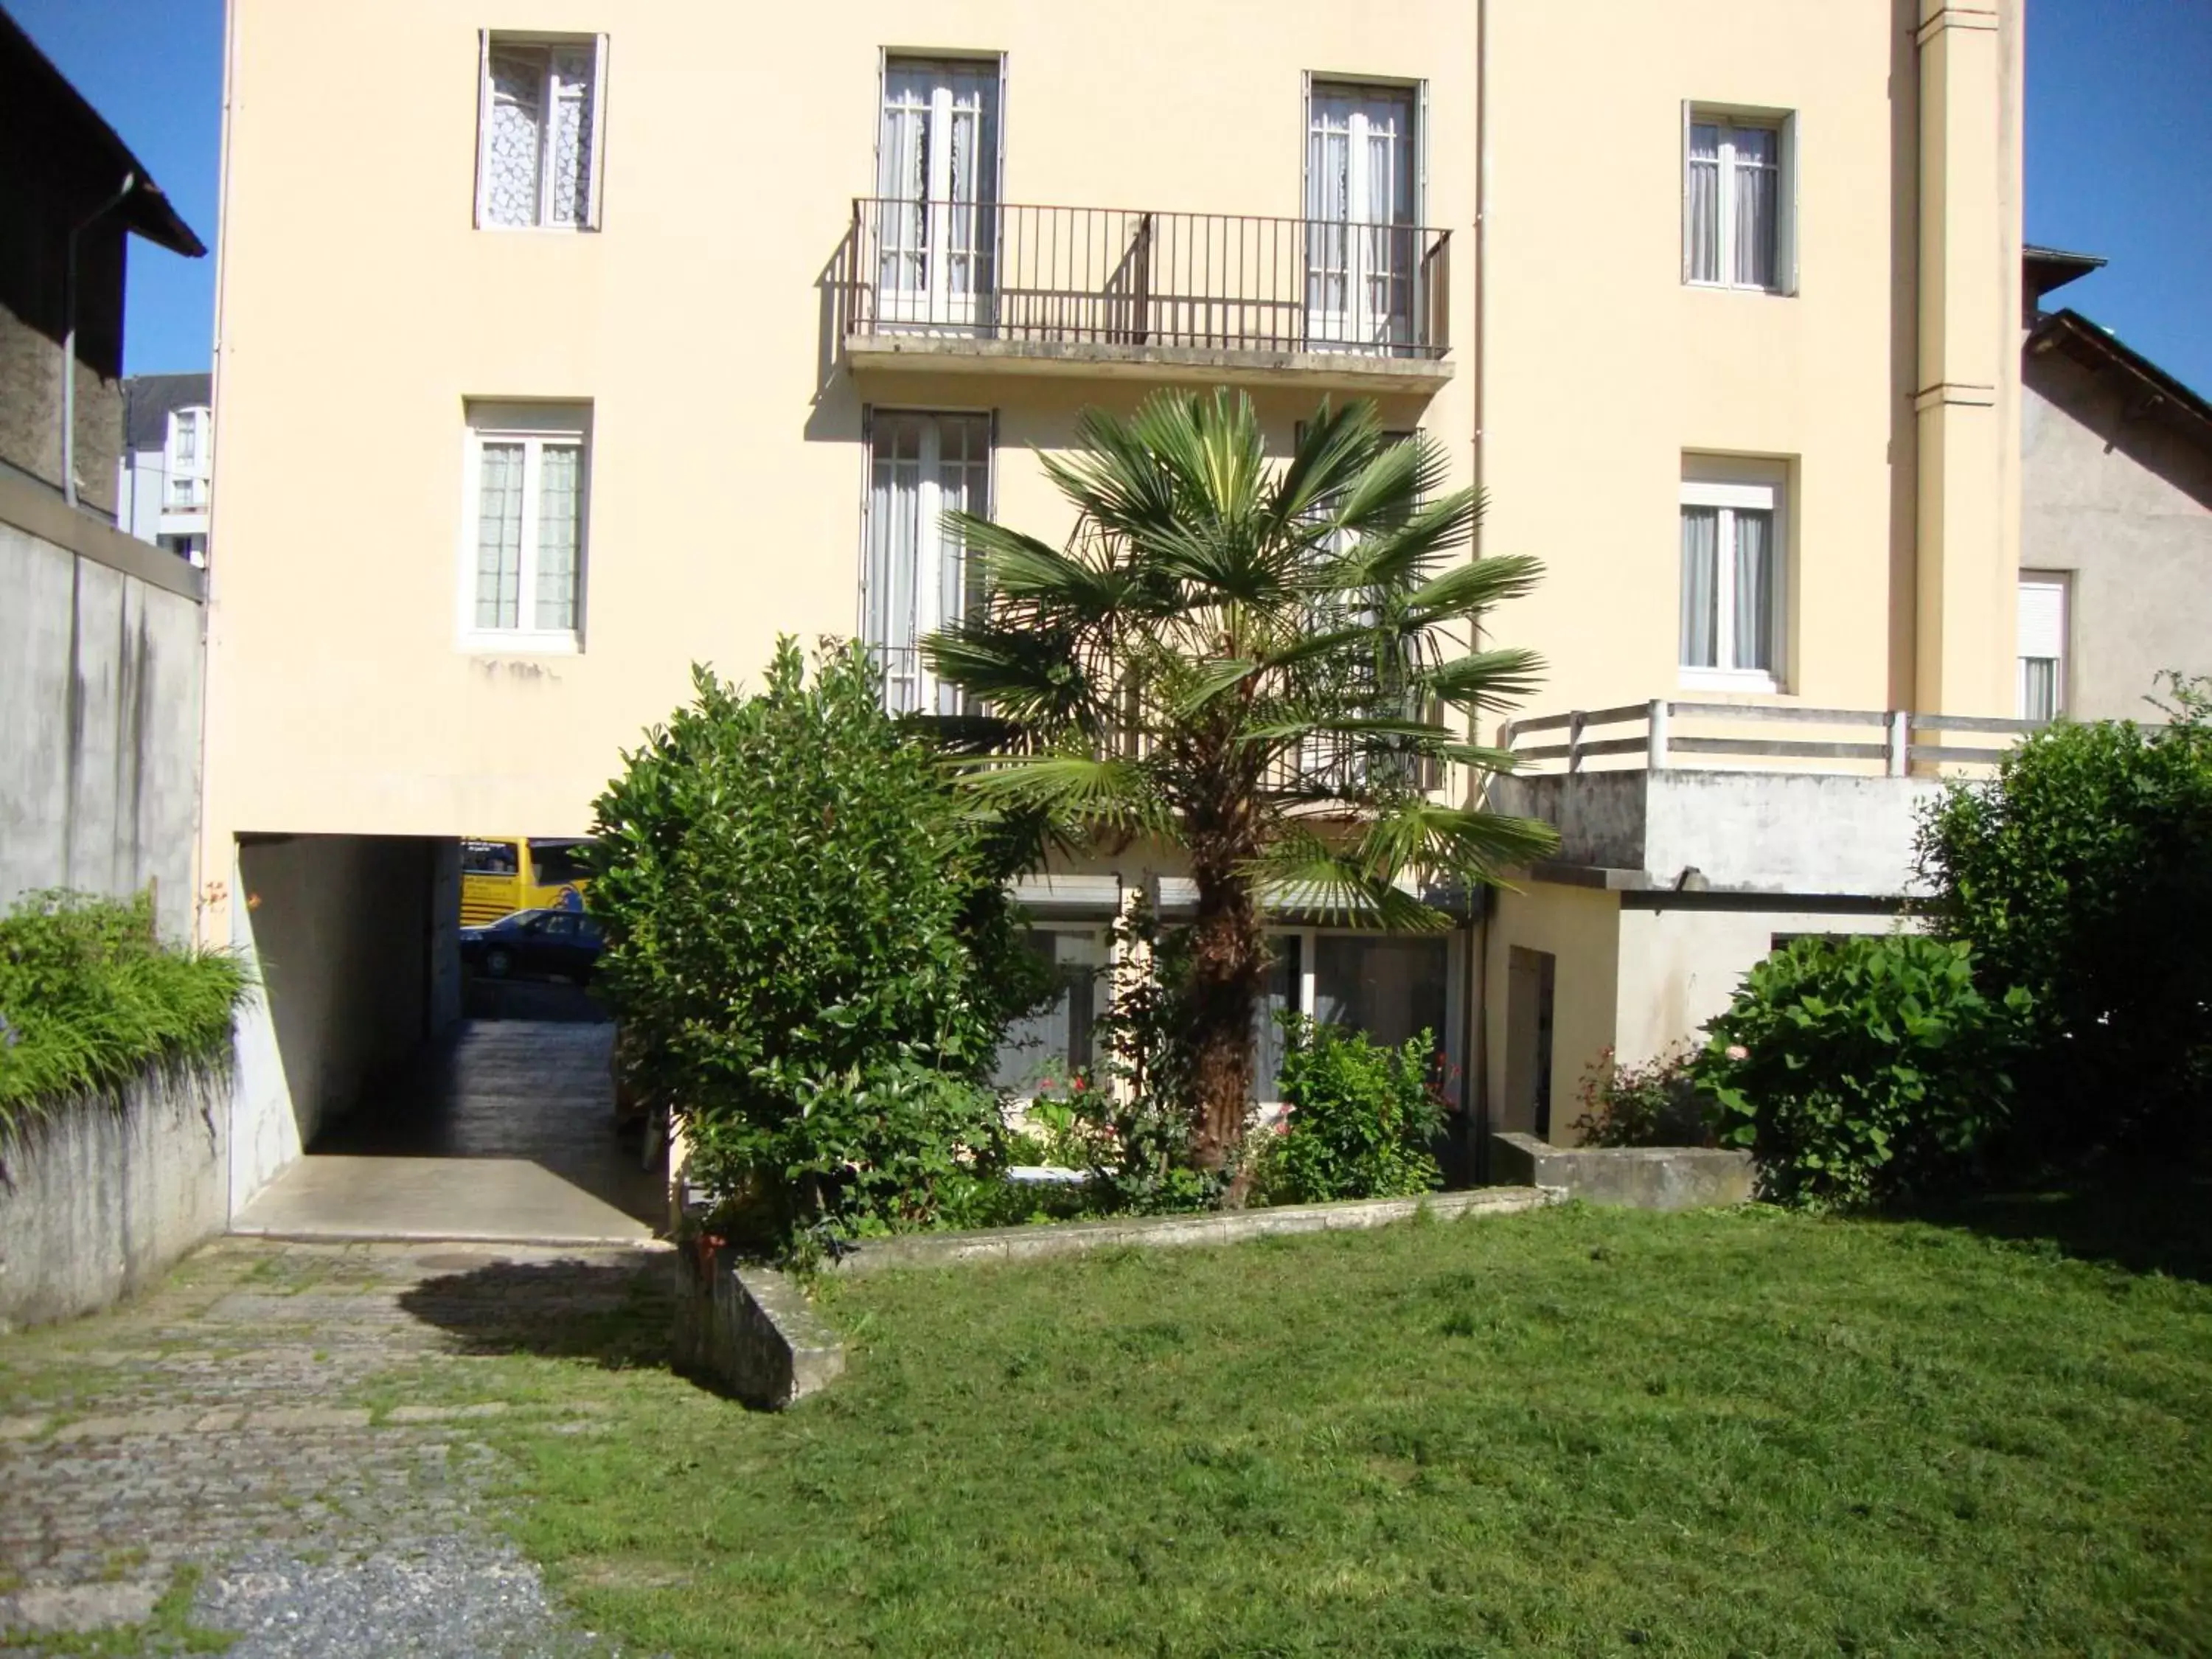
column 1717, row 300
column 2116, row 532
column 165, row 477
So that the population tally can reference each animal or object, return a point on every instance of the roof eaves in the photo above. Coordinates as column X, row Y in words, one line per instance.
column 2071, row 328
column 147, row 210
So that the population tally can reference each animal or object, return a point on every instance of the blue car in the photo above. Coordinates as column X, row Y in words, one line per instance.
column 535, row 945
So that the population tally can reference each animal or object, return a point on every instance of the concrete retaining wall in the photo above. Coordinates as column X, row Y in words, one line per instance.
column 100, row 677
column 749, row 1329
column 100, row 1198
column 1634, row 1177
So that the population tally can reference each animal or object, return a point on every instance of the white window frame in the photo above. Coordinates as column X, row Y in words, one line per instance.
column 932, row 547
column 1747, row 495
column 2046, row 581
column 536, row 426
column 1731, row 120
column 192, row 475
column 939, row 302
column 593, row 185
column 1098, row 937
column 1361, row 323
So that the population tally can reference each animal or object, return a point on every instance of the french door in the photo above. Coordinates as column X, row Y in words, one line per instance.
column 936, row 177
column 915, row 581
column 1361, row 173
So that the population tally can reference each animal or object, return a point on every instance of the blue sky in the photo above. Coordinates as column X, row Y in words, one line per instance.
column 2119, row 156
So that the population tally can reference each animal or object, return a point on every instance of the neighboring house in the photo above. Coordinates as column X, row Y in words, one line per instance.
column 100, row 634
column 167, row 471
column 1714, row 300
column 2116, row 515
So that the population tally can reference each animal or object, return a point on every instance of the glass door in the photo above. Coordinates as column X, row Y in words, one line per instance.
column 937, row 174
column 1360, row 242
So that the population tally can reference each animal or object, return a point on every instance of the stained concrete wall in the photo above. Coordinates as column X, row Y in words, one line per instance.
column 2122, row 503
column 100, row 1199
column 100, row 681
column 1741, row 831
column 339, row 929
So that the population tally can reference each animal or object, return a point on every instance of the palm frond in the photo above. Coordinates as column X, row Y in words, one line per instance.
column 1470, row 589
column 1502, row 678
column 1110, row 793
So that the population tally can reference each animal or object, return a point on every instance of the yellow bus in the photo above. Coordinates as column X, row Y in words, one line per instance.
column 502, row 874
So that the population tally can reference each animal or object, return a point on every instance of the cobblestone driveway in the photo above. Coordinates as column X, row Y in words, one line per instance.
column 225, row 1443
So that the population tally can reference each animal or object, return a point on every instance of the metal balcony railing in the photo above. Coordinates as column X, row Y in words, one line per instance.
column 1138, row 280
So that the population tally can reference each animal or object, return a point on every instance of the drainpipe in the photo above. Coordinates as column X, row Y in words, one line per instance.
column 68, row 334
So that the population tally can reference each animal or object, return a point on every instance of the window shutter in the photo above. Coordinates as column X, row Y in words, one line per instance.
column 1682, row 184
column 484, row 118
column 2043, row 619
column 1785, row 198
column 595, row 184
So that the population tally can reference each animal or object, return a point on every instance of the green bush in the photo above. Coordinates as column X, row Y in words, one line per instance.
column 2083, row 873
column 1657, row 1103
column 1362, row 1119
column 1862, row 1070
column 90, row 997
column 813, row 952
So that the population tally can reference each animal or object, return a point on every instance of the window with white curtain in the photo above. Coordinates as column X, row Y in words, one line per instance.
column 921, row 466
column 1733, row 542
column 526, row 509
column 539, row 117
column 937, row 179
column 1363, row 171
column 189, row 462
column 2042, row 646
column 1735, row 203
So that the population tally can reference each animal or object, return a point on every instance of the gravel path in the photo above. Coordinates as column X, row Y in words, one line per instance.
column 227, row 1436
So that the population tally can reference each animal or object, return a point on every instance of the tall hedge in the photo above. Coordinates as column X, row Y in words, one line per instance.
column 811, row 949
column 2082, row 872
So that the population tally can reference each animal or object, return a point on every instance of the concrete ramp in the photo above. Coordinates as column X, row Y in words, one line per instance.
column 505, row 1201
column 503, row 1133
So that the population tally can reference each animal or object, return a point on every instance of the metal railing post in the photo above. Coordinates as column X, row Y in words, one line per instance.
column 1897, row 744
column 1654, row 735
column 1575, row 741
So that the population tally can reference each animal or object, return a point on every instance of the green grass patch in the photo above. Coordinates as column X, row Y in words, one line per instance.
column 90, row 997
column 1577, row 1432
column 170, row 1631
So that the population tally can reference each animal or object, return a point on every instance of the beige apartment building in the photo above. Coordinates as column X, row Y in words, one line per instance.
column 670, row 327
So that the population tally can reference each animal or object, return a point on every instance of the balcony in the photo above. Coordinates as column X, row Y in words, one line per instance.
column 1125, row 293
column 1745, row 798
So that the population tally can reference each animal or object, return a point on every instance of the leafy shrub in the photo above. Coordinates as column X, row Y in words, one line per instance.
column 2083, row 873
column 1362, row 1118
column 1657, row 1103
column 812, row 950
column 90, row 997
column 1862, row 1070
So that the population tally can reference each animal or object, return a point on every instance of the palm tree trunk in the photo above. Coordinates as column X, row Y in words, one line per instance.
column 1227, row 964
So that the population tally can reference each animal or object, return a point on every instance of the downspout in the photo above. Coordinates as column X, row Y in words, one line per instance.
column 1477, row 1099
column 68, row 335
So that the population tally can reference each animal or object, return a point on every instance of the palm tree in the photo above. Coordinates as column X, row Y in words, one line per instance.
column 1252, row 663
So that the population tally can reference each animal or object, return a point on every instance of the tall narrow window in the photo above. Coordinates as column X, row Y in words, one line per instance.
column 921, row 466
column 188, row 460
column 537, row 143
column 2042, row 644
column 937, row 182
column 1733, row 203
column 525, row 513
column 1361, row 174
column 1731, row 584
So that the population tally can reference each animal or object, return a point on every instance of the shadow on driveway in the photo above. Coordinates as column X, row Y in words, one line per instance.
column 615, row 1314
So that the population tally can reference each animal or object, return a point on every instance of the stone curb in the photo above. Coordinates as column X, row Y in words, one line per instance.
column 1218, row 1227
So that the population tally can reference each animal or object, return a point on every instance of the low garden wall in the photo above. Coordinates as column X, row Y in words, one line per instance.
column 748, row 1328
column 1633, row 1177
column 99, row 1197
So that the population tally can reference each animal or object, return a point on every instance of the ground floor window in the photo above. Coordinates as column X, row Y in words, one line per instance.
column 1389, row 986
column 1037, row 1053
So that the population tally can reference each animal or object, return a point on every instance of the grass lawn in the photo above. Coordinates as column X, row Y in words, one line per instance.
column 1564, row 1433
